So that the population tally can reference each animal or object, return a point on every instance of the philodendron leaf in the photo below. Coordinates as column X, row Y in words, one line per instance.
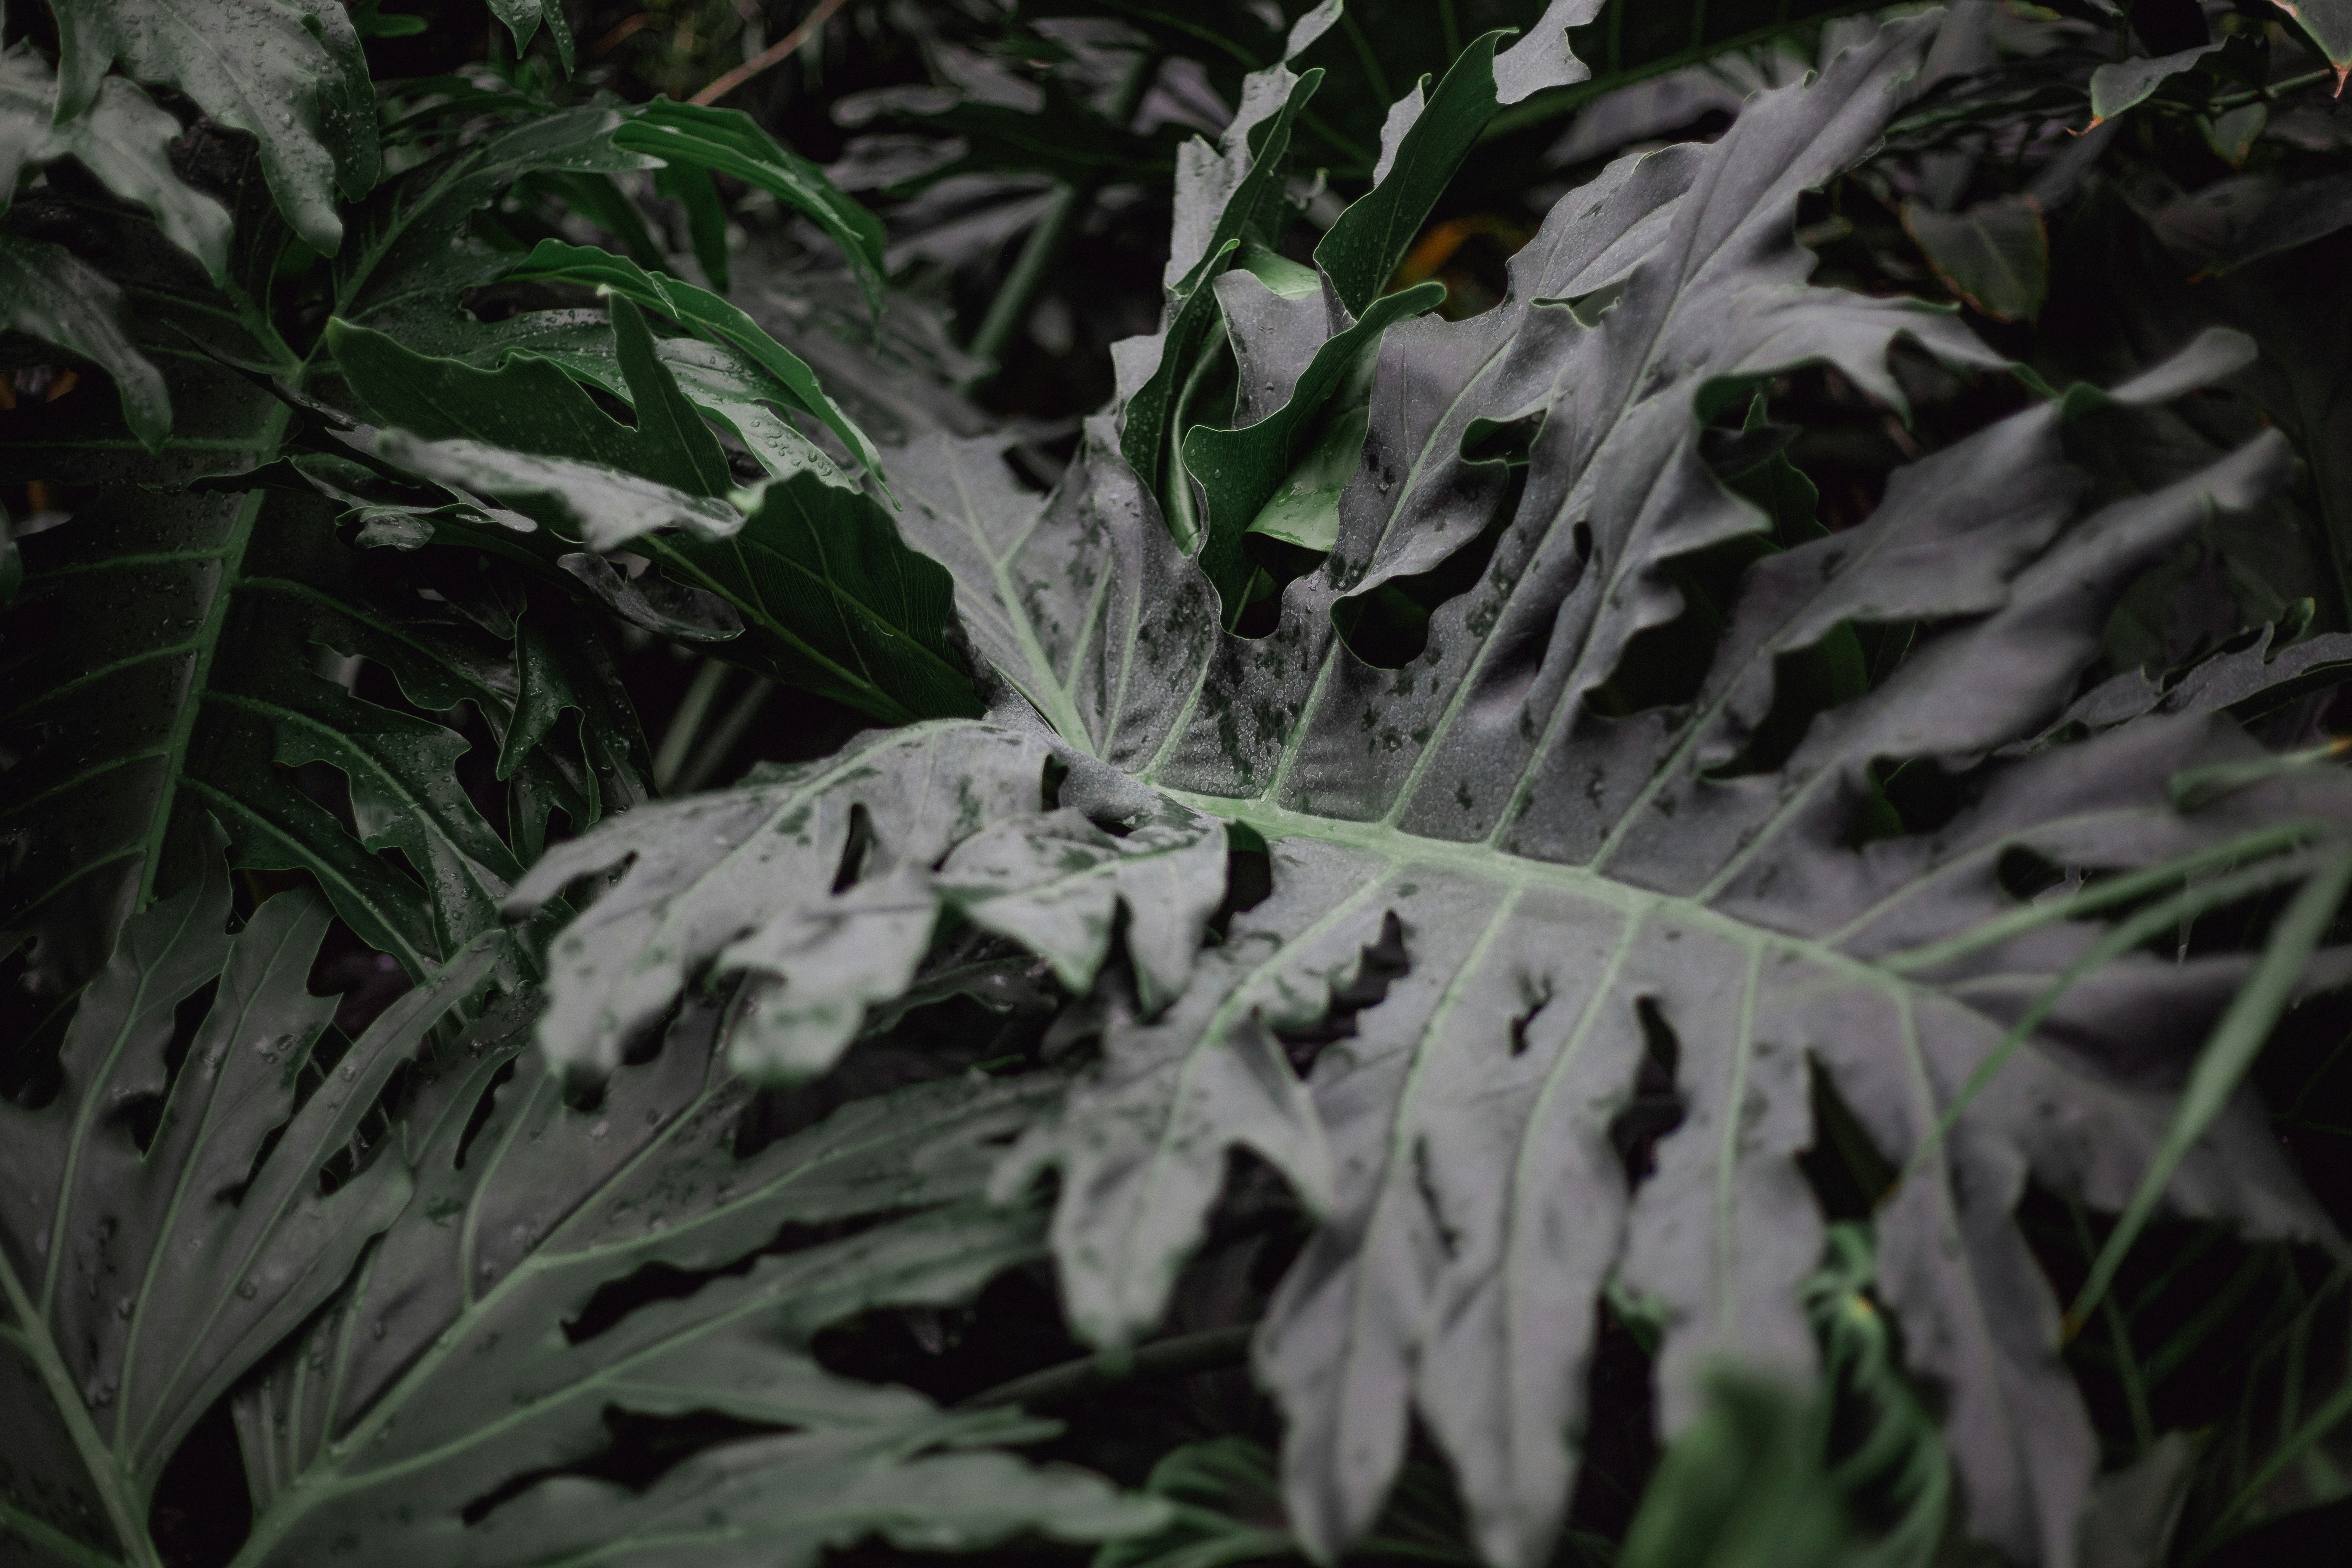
column 443, row 1406
column 145, row 1278
column 137, row 729
column 122, row 138
column 56, row 296
column 825, row 882
column 1553, row 887
column 1516, row 881
column 289, row 71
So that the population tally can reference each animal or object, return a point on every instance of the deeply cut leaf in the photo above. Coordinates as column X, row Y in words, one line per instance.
column 442, row 1407
column 144, row 1279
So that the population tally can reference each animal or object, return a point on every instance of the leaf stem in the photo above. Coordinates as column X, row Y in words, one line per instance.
column 1178, row 1356
column 715, row 751
column 770, row 56
column 684, row 724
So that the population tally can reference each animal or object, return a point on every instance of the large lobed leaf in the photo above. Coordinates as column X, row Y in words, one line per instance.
column 352, row 1304
column 1530, row 861
column 145, row 1275
column 442, row 1407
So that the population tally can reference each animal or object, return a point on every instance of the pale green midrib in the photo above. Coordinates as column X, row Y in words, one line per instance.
column 1727, row 1158
column 1235, row 1001
column 207, row 640
column 122, row 1513
column 1062, row 711
column 1522, row 1177
column 261, row 993
column 1400, row 848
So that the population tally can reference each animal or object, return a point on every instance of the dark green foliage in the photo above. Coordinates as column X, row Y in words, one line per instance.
column 1600, row 824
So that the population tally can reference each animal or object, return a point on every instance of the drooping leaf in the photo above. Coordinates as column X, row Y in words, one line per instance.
column 121, row 138
column 146, row 1278
column 727, row 141
column 791, row 383
column 289, row 71
column 523, row 17
column 836, row 604
column 59, row 298
column 450, row 1404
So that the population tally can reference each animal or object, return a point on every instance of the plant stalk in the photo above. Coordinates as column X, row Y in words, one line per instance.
column 1179, row 1356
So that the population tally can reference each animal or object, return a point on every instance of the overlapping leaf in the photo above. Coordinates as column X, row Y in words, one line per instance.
column 833, row 601
column 144, row 1276
column 1561, row 871
column 137, row 728
column 289, row 71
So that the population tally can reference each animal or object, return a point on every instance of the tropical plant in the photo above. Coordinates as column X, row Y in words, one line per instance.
column 1691, row 889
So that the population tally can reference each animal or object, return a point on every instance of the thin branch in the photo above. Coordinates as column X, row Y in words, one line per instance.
column 769, row 56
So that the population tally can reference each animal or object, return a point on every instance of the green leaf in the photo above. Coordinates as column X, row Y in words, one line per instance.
column 727, row 141
column 1995, row 256
column 122, row 139
column 289, row 71
column 412, row 257
column 1742, row 1488
column 2129, row 84
column 791, row 383
column 480, row 1347
column 139, row 727
column 523, row 19
column 56, row 297
column 1420, row 149
column 1239, row 471
column 836, row 603
column 134, row 1297
column 2329, row 24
